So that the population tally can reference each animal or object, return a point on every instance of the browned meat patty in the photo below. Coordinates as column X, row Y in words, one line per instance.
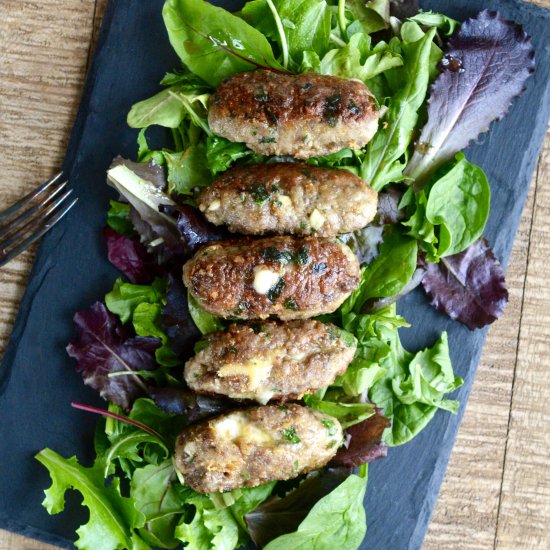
column 287, row 277
column 289, row 198
column 270, row 360
column 253, row 446
column 303, row 115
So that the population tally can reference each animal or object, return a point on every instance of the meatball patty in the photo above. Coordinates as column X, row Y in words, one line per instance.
column 304, row 115
column 270, row 360
column 287, row 277
column 289, row 198
column 253, row 446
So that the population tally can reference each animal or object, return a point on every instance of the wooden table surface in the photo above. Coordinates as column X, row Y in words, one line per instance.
column 496, row 491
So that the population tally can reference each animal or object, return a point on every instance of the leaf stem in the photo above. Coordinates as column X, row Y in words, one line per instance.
column 337, row 40
column 342, row 16
column 103, row 412
column 281, row 31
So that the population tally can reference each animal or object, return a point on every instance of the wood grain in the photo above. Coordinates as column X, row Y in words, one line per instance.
column 496, row 492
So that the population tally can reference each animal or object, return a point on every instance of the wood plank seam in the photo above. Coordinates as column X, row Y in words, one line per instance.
column 523, row 293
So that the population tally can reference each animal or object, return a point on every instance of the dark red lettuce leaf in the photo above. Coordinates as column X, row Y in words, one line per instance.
column 402, row 9
column 485, row 66
column 130, row 257
column 176, row 319
column 102, row 346
column 187, row 403
column 278, row 516
column 388, row 210
column 469, row 286
column 365, row 444
column 193, row 228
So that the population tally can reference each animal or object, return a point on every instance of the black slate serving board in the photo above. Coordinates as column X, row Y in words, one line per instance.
column 37, row 381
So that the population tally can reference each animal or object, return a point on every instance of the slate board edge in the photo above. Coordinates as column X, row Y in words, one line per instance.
column 41, row 267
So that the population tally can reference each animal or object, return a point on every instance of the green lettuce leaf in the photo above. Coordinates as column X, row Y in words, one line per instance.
column 213, row 43
column 336, row 521
column 206, row 322
column 357, row 60
column 383, row 162
column 143, row 305
column 187, row 170
column 388, row 273
column 158, row 500
column 118, row 218
column 408, row 387
column 222, row 153
column 113, row 518
column 302, row 25
column 210, row 527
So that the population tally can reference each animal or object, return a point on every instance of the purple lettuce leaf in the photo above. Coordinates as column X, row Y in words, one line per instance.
column 176, row 319
column 187, row 403
column 102, row 347
column 278, row 516
column 468, row 286
column 403, row 9
column 365, row 444
column 130, row 257
column 485, row 66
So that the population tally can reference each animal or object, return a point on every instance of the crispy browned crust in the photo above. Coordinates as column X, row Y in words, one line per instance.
column 301, row 357
column 317, row 277
column 300, row 115
column 299, row 439
column 284, row 198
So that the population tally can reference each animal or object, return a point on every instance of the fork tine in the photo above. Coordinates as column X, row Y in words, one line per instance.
column 43, row 213
column 5, row 214
column 5, row 257
column 13, row 223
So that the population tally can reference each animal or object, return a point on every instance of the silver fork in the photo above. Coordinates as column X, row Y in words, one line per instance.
column 30, row 217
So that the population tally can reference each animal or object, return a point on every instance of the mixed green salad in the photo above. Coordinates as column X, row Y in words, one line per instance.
column 438, row 85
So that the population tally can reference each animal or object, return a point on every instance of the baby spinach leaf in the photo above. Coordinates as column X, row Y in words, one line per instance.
column 113, row 518
column 280, row 515
column 336, row 521
column 213, row 43
column 305, row 24
column 373, row 15
column 468, row 286
column 455, row 211
column 459, row 204
column 156, row 498
column 486, row 65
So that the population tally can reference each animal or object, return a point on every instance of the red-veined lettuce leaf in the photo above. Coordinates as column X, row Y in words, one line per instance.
column 102, row 347
column 468, row 286
column 365, row 444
